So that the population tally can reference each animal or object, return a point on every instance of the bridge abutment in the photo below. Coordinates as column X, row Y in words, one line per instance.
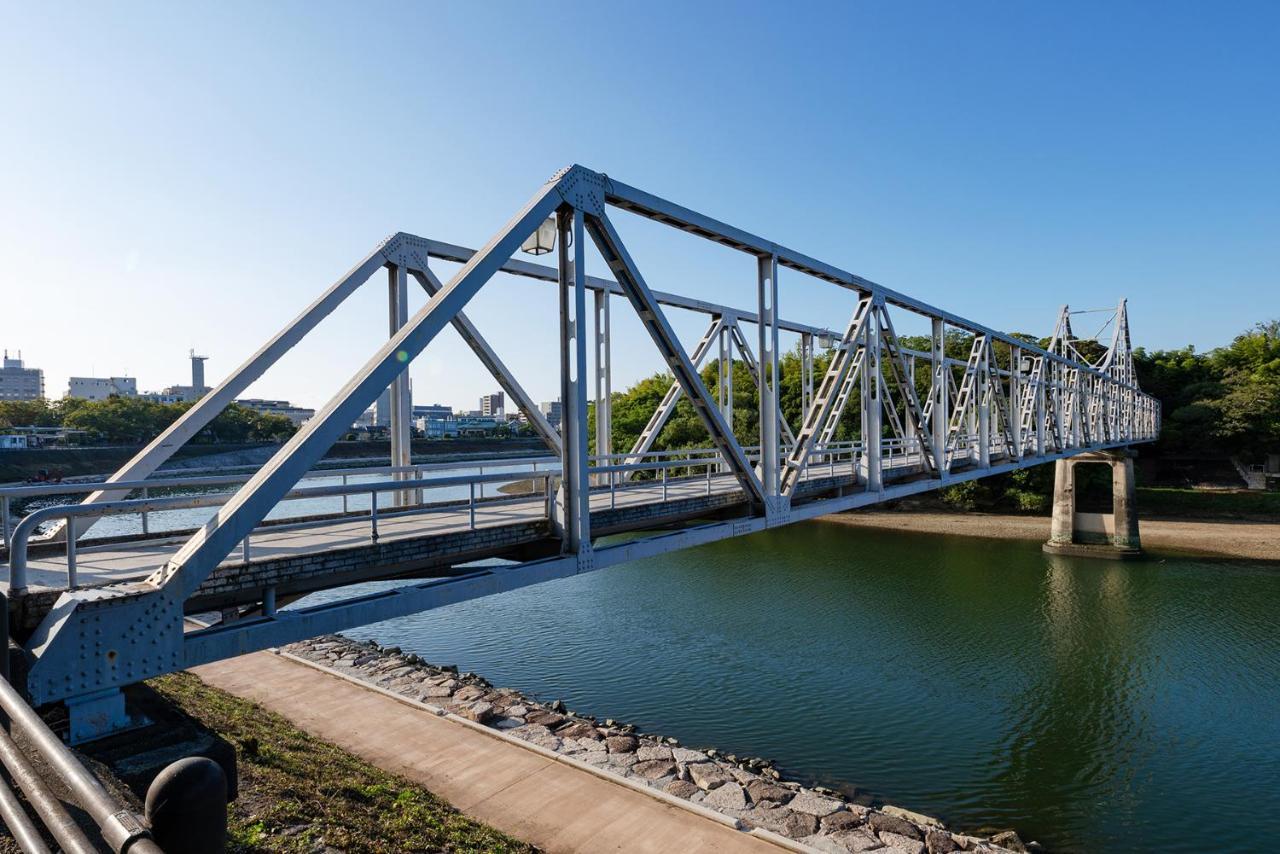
column 1114, row 535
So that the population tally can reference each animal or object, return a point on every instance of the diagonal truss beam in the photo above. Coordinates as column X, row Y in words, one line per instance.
column 667, row 406
column 195, row 419
column 832, row 386
column 238, row 517
column 753, row 368
column 902, row 376
column 655, row 322
column 432, row 285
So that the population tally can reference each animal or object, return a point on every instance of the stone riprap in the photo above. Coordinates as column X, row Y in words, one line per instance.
column 750, row 790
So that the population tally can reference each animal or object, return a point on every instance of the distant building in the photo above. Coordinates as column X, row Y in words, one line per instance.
column 479, row 425
column 183, row 393
column 492, row 405
column 12, row 443
column 382, row 408
column 297, row 414
column 18, row 382
column 173, row 394
column 554, row 412
column 100, row 388
column 365, row 419
column 433, row 410
column 437, row 428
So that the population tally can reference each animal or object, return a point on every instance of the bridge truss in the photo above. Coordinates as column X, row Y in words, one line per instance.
column 926, row 418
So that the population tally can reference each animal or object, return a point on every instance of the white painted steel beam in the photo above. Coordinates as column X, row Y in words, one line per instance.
column 641, row 298
column 206, row 549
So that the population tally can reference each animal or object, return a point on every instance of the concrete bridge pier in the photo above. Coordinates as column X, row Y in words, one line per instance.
column 1114, row 535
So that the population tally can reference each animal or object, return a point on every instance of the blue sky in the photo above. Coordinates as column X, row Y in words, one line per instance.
column 181, row 175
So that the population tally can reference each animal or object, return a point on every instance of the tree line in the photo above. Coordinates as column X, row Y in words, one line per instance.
column 132, row 420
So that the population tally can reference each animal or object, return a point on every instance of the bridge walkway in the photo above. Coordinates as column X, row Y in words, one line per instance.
column 549, row 803
column 133, row 559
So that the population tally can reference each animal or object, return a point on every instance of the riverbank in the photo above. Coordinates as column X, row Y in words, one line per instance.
column 750, row 792
column 1233, row 539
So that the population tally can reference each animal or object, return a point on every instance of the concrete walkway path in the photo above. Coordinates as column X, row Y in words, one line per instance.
column 550, row 804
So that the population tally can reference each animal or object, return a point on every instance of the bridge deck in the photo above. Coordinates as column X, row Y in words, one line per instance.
column 134, row 558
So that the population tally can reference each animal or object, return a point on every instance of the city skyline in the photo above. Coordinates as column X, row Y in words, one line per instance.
column 1062, row 151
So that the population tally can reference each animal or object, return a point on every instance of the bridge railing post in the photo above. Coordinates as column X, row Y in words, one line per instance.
column 72, row 582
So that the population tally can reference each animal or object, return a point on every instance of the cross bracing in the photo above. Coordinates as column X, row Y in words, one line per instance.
column 924, row 419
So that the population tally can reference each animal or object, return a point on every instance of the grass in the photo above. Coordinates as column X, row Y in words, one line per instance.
column 301, row 794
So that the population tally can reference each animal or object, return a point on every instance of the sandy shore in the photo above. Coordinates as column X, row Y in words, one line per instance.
column 1251, row 540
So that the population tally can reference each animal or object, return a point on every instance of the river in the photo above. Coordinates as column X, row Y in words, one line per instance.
column 1093, row 706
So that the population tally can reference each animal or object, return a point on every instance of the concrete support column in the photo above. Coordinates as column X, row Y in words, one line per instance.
column 1113, row 535
column 1064, row 503
column 1124, row 504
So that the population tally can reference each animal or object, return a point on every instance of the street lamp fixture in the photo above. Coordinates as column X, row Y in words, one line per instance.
column 543, row 239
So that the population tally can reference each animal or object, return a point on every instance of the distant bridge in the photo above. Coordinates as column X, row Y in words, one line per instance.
column 95, row 614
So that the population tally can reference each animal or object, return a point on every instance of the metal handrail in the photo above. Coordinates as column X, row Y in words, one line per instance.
column 8, row 493
column 18, row 581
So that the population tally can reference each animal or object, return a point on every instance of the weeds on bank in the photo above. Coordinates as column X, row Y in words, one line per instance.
column 301, row 794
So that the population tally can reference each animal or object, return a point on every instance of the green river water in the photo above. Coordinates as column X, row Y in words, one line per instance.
column 1091, row 705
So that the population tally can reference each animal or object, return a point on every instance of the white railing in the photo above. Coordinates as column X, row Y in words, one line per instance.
column 22, row 534
column 146, row 488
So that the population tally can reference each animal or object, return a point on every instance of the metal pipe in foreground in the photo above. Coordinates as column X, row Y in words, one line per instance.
column 65, row 831
column 122, row 830
column 19, row 823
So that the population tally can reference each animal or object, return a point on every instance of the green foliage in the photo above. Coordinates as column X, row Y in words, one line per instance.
column 132, row 420
column 969, row 495
column 1227, row 400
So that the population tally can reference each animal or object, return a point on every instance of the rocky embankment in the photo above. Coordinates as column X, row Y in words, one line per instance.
column 752, row 791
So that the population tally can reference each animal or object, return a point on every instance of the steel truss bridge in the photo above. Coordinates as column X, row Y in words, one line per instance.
column 95, row 614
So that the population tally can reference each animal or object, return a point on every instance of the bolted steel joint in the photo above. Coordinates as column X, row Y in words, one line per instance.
column 582, row 188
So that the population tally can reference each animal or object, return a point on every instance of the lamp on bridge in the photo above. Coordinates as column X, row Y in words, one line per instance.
column 543, row 239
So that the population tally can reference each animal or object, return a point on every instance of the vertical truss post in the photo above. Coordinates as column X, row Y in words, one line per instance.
column 909, row 426
column 1039, row 408
column 604, row 379
column 401, row 405
column 1055, row 393
column 939, row 417
column 982, row 401
column 872, row 411
column 1015, row 401
column 767, row 291
column 575, row 490
column 806, row 371
column 725, row 365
